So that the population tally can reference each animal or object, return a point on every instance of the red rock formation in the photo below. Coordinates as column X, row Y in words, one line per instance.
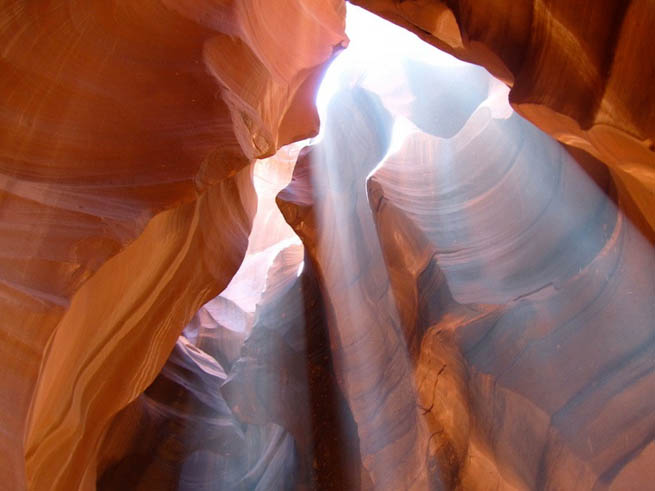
column 100, row 340
column 586, row 83
column 475, row 312
column 515, row 392
column 272, row 419
column 505, row 252
column 125, row 128
column 326, row 205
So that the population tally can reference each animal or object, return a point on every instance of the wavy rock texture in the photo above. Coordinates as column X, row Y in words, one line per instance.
column 475, row 306
column 124, row 131
column 510, row 261
column 181, row 434
column 525, row 364
column 273, row 419
column 585, row 83
column 515, row 392
column 96, row 340
column 326, row 205
column 248, row 399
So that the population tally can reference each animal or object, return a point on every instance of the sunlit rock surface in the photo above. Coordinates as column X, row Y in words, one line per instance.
column 181, row 434
column 126, row 132
column 587, row 83
column 274, row 418
column 539, row 384
column 523, row 319
column 326, row 205
column 471, row 306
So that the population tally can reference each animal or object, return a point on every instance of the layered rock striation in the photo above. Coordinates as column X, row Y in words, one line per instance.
column 509, row 261
column 127, row 132
column 471, row 306
column 526, row 372
column 586, row 83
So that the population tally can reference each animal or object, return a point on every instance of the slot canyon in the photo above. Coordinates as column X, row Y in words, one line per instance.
column 327, row 245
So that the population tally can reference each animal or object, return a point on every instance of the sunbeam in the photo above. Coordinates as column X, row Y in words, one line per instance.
column 513, row 220
column 436, row 295
column 297, row 245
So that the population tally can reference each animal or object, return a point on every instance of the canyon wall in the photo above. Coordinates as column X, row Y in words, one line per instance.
column 475, row 309
column 127, row 132
column 577, row 70
column 499, row 280
column 537, row 373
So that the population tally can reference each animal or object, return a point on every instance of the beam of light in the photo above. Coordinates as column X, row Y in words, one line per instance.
column 377, row 374
column 374, row 363
column 548, row 221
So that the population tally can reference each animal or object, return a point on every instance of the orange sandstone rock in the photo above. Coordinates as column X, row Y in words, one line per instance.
column 125, row 138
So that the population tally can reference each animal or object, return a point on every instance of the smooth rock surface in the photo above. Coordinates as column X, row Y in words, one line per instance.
column 472, row 303
column 126, row 132
column 586, row 84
